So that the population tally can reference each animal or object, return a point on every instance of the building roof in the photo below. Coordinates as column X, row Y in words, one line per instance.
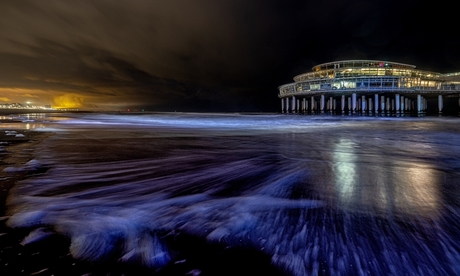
column 361, row 64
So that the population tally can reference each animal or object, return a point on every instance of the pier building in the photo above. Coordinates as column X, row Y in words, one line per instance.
column 368, row 87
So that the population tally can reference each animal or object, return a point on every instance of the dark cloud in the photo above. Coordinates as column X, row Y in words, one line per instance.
column 203, row 55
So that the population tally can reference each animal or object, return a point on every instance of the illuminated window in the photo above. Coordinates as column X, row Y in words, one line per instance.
column 314, row 86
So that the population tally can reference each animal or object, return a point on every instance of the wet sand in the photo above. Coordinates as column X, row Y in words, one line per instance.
column 223, row 196
column 15, row 150
column 15, row 259
column 46, row 257
column 51, row 255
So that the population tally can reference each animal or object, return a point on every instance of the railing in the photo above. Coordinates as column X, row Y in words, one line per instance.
column 421, row 90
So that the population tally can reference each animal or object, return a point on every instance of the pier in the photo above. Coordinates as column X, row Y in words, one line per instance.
column 369, row 87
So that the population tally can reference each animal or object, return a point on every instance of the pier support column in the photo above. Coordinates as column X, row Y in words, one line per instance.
column 363, row 103
column 287, row 105
column 382, row 103
column 298, row 105
column 349, row 103
column 342, row 102
column 331, row 104
column 376, row 103
column 293, row 104
column 353, row 102
column 459, row 104
column 397, row 102
column 312, row 107
column 304, row 108
column 282, row 105
column 419, row 103
column 387, row 105
column 440, row 104
column 369, row 104
column 322, row 103
column 402, row 108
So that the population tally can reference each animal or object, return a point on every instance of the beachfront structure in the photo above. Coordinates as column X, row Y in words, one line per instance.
column 367, row 86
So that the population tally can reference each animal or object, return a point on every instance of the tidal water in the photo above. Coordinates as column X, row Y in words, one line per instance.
column 314, row 195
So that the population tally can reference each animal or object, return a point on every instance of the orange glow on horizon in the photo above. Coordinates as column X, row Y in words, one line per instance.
column 69, row 100
column 65, row 99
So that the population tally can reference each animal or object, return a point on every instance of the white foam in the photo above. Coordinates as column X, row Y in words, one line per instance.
column 36, row 235
column 29, row 166
column 97, row 225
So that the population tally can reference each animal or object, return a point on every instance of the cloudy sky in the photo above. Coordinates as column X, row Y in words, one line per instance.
column 204, row 55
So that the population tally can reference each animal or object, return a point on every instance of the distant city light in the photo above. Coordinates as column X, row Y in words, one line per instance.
column 26, row 106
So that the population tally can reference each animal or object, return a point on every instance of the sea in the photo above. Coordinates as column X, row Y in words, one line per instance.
column 291, row 194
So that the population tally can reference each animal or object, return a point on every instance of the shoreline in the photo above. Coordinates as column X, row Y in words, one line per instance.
column 46, row 255
column 23, row 254
column 16, row 149
column 8, row 111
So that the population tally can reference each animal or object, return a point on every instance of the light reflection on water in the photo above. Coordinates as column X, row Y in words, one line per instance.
column 319, row 195
column 345, row 171
column 22, row 126
column 400, row 187
column 30, row 121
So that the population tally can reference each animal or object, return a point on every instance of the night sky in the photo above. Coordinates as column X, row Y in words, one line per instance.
column 205, row 55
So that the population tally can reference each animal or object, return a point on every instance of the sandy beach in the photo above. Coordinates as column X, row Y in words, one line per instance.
column 41, row 258
column 48, row 256
column 22, row 253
